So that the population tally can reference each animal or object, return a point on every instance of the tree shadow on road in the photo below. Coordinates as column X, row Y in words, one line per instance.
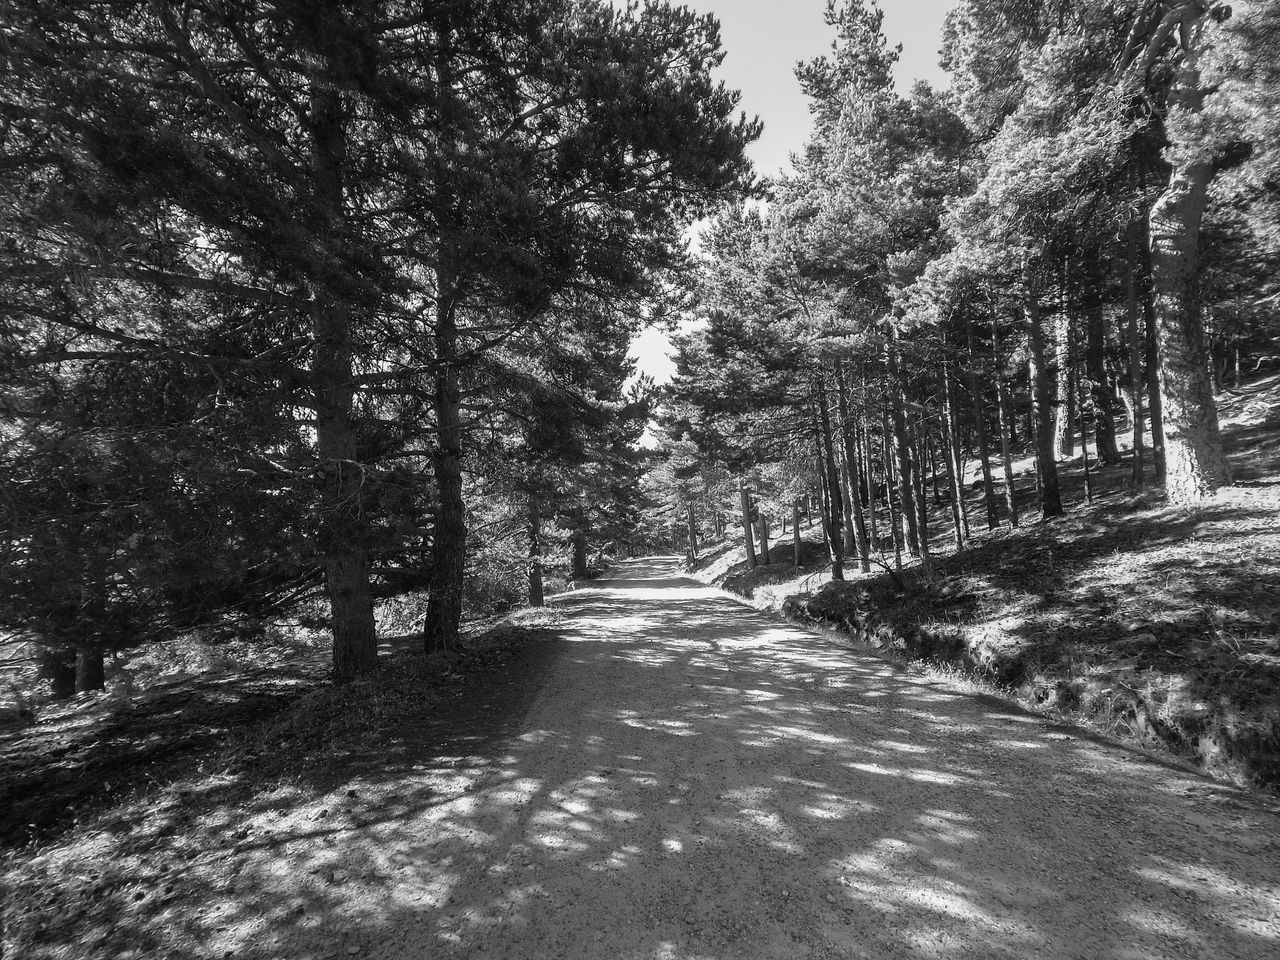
column 697, row 780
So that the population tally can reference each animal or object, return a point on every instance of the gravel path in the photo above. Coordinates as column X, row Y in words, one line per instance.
column 696, row 780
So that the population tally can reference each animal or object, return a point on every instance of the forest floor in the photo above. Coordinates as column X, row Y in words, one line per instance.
column 1157, row 625
column 673, row 776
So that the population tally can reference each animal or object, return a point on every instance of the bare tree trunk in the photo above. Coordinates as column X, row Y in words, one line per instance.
column 1004, row 409
column 763, row 521
column 1101, row 394
column 533, row 533
column 748, row 544
column 1042, row 412
column 59, row 668
column 980, row 425
column 795, row 531
column 1136, row 351
column 906, row 484
column 853, row 482
column 869, row 486
column 890, row 487
column 1064, row 443
column 959, row 517
column 343, row 534
column 1195, row 462
column 91, row 671
column 693, row 534
column 832, row 475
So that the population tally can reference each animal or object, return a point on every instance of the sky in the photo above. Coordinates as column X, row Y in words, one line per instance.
column 763, row 40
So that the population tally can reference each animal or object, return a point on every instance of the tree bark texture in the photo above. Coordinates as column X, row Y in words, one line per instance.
column 1042, row 415
column 343, row 527
column 1195, row 462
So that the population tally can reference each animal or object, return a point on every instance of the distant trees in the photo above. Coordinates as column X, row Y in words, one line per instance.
column 1015, row 264
column 342, row 239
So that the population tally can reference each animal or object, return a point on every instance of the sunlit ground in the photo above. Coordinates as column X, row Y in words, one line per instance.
column 697, row 780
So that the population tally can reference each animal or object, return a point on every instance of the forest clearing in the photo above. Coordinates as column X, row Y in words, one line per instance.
column 404, row 405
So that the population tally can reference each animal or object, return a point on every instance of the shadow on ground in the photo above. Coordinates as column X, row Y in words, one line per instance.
column 697, row 780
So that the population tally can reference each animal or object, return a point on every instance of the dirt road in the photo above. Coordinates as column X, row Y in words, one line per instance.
column 696, row 780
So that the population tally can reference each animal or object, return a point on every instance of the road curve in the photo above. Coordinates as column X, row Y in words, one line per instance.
column 696, row 780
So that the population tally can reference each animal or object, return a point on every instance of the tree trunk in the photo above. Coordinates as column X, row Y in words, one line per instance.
column 1004, row 410
column 980, row 425
column 890, row 487
column 693, row 535
column 343, row 528
column 1064, row 443
column 578, row 568
column 748, row 544
column 59, row 668
column 1195, row 462
column 951, row 445
column 836, row 521
column 1136, row 351
column 869, row 484
column 1042, row 413
column 763, row 521
column 448, row 549
column 91, row 671
column 906, row 483
column 795, row 531
column 1101, row 395
column 853, row 482
column 534, row 533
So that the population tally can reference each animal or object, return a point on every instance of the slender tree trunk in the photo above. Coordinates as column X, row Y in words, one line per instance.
column 1195, row 462
column 578, row 568
column 869, row 484
column 795, row 531
column 906, row 484
column 534, row 535
column 343, row 528
column 836, row 521
column 1136, row 351
column 1152, row 355
column 1042, row 412
column 91, row 671
column 448, row 554
column 763, row 521
column 1084, row 455
column 693, row 534
column 980, row 425
column 1064, row 443
column 1004, row 410
column 848, row 437
column 890, row 487
column 1101, row 394
column 748, row 544
column 959, row 517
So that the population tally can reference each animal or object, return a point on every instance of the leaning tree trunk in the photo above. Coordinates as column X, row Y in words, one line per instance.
column 533, row 531
column 1042, row 414
column 343, row 527
column 1195, row 462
